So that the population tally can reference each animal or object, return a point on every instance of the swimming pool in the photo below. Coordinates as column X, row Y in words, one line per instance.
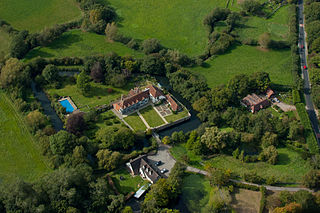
column 66, row 104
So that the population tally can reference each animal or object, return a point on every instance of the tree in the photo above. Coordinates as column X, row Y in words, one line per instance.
column 221, row 97
column 36, row 120
column 264, row 40
column 107, row 159
column 218, row 177
column 233, row 19
column 11, row 74
column 118, row 80
column 79, row 156
column 83, row 83
column 97, row 73
column 289, row 208
column 202, row 105
column 151, row 45
column 216, row 15
column 111, row 31
column 62, row 143
column 269, row 154
column 127, row 209
column 261, row 81
column 18, row 46
column 152, row 65
column 269, row 139
column 76, row 123
column 251, row 6
column 239, row 85
column 312, row 179
column 214, row 139
column 123, row 139
column 50, row 73
column 166, row 140
column 99, row 195
column 315, row 46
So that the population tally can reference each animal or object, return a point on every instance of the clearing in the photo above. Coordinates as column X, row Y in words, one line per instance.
column 246, row 60
column 19, row 154
column 78, row 43
column 177, row 24
column 5, row 43
column 35, row 15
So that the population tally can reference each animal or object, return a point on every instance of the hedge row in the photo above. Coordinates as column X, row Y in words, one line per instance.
column 263, row 199
column 246, row 186
column 310, row 137
column 296, row 96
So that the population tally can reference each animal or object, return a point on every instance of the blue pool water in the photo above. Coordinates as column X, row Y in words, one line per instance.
column 66, row 104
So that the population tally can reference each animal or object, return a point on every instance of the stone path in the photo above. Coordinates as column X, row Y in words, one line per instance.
column 143, row 120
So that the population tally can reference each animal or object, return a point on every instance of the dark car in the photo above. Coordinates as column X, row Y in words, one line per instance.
column 158, row 163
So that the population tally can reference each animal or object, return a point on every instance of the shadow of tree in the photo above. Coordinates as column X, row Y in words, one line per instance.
column 283, row 159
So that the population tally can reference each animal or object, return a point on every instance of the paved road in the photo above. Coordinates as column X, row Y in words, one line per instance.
column 305, row 73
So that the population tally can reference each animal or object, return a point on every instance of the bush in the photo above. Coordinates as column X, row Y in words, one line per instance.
column 296, row 96
column 151, row 45
column 245, row 186
column 252, row 177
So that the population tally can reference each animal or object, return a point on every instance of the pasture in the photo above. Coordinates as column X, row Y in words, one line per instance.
column 20, row 156
column 177, row 24
column 35, row 15
column 78, row 43
column 246, row 60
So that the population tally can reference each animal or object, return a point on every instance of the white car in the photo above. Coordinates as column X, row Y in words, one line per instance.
column 164, row 171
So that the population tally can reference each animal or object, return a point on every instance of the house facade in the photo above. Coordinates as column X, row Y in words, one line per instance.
column 137, row 98
column 140, row 166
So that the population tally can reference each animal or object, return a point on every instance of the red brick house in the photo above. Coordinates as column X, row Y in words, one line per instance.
column 254, row 102
column 173, row 104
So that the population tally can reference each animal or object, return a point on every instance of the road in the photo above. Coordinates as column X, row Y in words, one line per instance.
column 303, row 49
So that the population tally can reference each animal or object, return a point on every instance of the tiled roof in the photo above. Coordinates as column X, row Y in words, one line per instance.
column 270, row 93
column 172, row 103
column 132, row 99
column 142, row 162
column 155, row 91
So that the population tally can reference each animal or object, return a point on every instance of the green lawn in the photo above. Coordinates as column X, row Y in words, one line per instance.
column 19, row 154
column 135, row 122
column 34, row 15
column 289, row 169
column 195, row 192
column 247, row 60
column 179, row 115
column 177, row 24
column 98, row 94
column 5, row 43
column 78, row 43
column 179, row 150
column 151, row 116
column 277, row 26
column 129, row 184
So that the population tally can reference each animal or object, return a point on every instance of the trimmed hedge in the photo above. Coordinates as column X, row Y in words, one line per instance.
column 310, row 137
column 296, row 96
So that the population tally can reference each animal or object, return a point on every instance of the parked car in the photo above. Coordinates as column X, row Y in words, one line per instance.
column 164, row 171
column 305, row 67
column 158, row 163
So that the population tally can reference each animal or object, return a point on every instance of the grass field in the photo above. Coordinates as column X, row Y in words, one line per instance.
column 135, row 122
column 195, row 192
column 174, row 117
column 78, row 43
column 34, row 15
column 177, row 24
column 247, row 60
column 98, row 94
column 151, row 116
column 290, row 166
column 277, row 26
column 19, row 154
column 5, row 43
column 129, row 184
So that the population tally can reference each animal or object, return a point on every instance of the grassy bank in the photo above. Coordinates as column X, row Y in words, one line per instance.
column 19, row 154
column 34, row 15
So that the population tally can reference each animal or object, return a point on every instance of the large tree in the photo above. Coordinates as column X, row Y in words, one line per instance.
column 62, row 143
column 214, row 139
column 50, row 73
column 12, row 74
column 76, row 123
column 83, row 83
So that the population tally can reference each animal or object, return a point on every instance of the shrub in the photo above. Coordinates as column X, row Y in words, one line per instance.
column 151, row 45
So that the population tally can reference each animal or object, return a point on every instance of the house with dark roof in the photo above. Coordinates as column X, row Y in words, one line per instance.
column 141, row 166
column 254, row 102
column 173, row 104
